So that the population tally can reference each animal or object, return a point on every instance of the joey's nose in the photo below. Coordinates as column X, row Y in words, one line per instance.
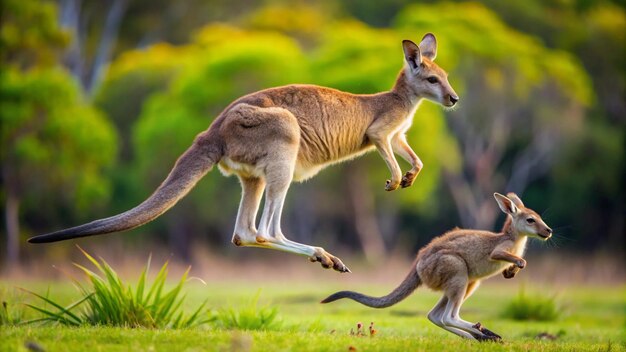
column 454, row 99
column 549, row 231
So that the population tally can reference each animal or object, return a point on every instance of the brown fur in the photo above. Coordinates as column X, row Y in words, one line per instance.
column 456, row 262
column 275, row 136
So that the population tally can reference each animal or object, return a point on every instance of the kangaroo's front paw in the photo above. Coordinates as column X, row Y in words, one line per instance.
column 407, row 179
column 510, row 272
column 329, row 261
column 521, row 263
column 391, row 185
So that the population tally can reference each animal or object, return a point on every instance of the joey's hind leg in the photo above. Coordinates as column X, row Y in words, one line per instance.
column 436, row 317
column 456, row 292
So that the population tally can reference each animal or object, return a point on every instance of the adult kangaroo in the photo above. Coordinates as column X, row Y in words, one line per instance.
column 277, row 135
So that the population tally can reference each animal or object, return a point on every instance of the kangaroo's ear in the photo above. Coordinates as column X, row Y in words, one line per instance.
column 412, row 55
column 512, row 196
column 507, row 205
column 428, row 46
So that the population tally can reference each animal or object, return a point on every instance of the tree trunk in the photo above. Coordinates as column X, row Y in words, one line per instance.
column 109, row 36
column 12, row 206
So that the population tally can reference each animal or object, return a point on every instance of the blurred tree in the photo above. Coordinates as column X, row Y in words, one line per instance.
column 87, row 57
column 100, row 30
column 51, row 141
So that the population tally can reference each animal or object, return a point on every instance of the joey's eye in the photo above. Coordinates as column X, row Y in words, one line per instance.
column 530, row 220
column 432, row 79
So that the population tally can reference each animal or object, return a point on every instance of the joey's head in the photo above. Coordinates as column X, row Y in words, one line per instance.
column 424, row 77
column 524, row 221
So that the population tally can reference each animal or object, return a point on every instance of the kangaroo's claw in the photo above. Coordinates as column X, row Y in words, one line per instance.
column 407, row 179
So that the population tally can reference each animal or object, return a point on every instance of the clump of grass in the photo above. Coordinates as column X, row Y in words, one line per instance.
column 108, row 301
column 532, row 307
column 249, row 317
column 10, row 312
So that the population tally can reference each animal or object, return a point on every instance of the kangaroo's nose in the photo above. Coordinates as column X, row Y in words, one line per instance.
column 454, row 99
column 549, row 230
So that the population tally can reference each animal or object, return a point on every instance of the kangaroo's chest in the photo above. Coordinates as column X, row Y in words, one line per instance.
column 487, row 267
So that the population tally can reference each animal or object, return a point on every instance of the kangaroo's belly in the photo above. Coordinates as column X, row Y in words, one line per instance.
column 305, row 168
column 486, row 269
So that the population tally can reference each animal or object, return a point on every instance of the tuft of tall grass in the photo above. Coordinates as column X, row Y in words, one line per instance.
column 11, row 313
column 532, row 307
column 249, row 317
column 108, row 301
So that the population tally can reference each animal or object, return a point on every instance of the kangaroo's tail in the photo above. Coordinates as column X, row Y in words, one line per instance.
column 410, row 283
column 190, row 167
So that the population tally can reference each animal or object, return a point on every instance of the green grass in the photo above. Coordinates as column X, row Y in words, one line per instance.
column 109, row 301
column 247, row 316
column 537, row 306
column 593, row 320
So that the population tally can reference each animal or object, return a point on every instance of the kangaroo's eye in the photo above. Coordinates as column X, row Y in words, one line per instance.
column 432, row 79
column 530, row 220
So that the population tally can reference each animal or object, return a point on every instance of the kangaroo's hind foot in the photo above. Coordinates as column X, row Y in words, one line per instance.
column 328, row 260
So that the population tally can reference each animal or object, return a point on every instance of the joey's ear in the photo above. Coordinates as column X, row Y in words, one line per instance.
column 507, row 205
column 428, row 46
column 512, row 196
column 412, row 55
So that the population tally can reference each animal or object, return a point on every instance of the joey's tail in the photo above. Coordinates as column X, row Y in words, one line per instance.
column 410, row 283
column 196, row 162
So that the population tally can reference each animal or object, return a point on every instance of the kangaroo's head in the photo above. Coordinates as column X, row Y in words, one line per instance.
column 424, row 77
column 524, row 221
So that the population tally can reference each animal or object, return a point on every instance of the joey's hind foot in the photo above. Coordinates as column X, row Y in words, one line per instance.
column 408, row 179
column 329, row 261
column 487, row 335
column 391, row 185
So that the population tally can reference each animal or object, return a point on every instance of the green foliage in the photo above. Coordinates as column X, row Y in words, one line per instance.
column 491, row 45
column 29, row 34
column 250, row 316
column 110, row 302
column 132, row 78
column 47, row 129
column 53, row 144
column 538, row 307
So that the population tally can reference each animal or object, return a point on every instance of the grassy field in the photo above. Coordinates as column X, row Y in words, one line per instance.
column 592, row 320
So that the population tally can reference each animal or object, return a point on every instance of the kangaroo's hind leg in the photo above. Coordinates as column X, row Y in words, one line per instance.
column 456, row 291
column 278, row 177
column 245, row 226
column 261, row 146
column 436, row 317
